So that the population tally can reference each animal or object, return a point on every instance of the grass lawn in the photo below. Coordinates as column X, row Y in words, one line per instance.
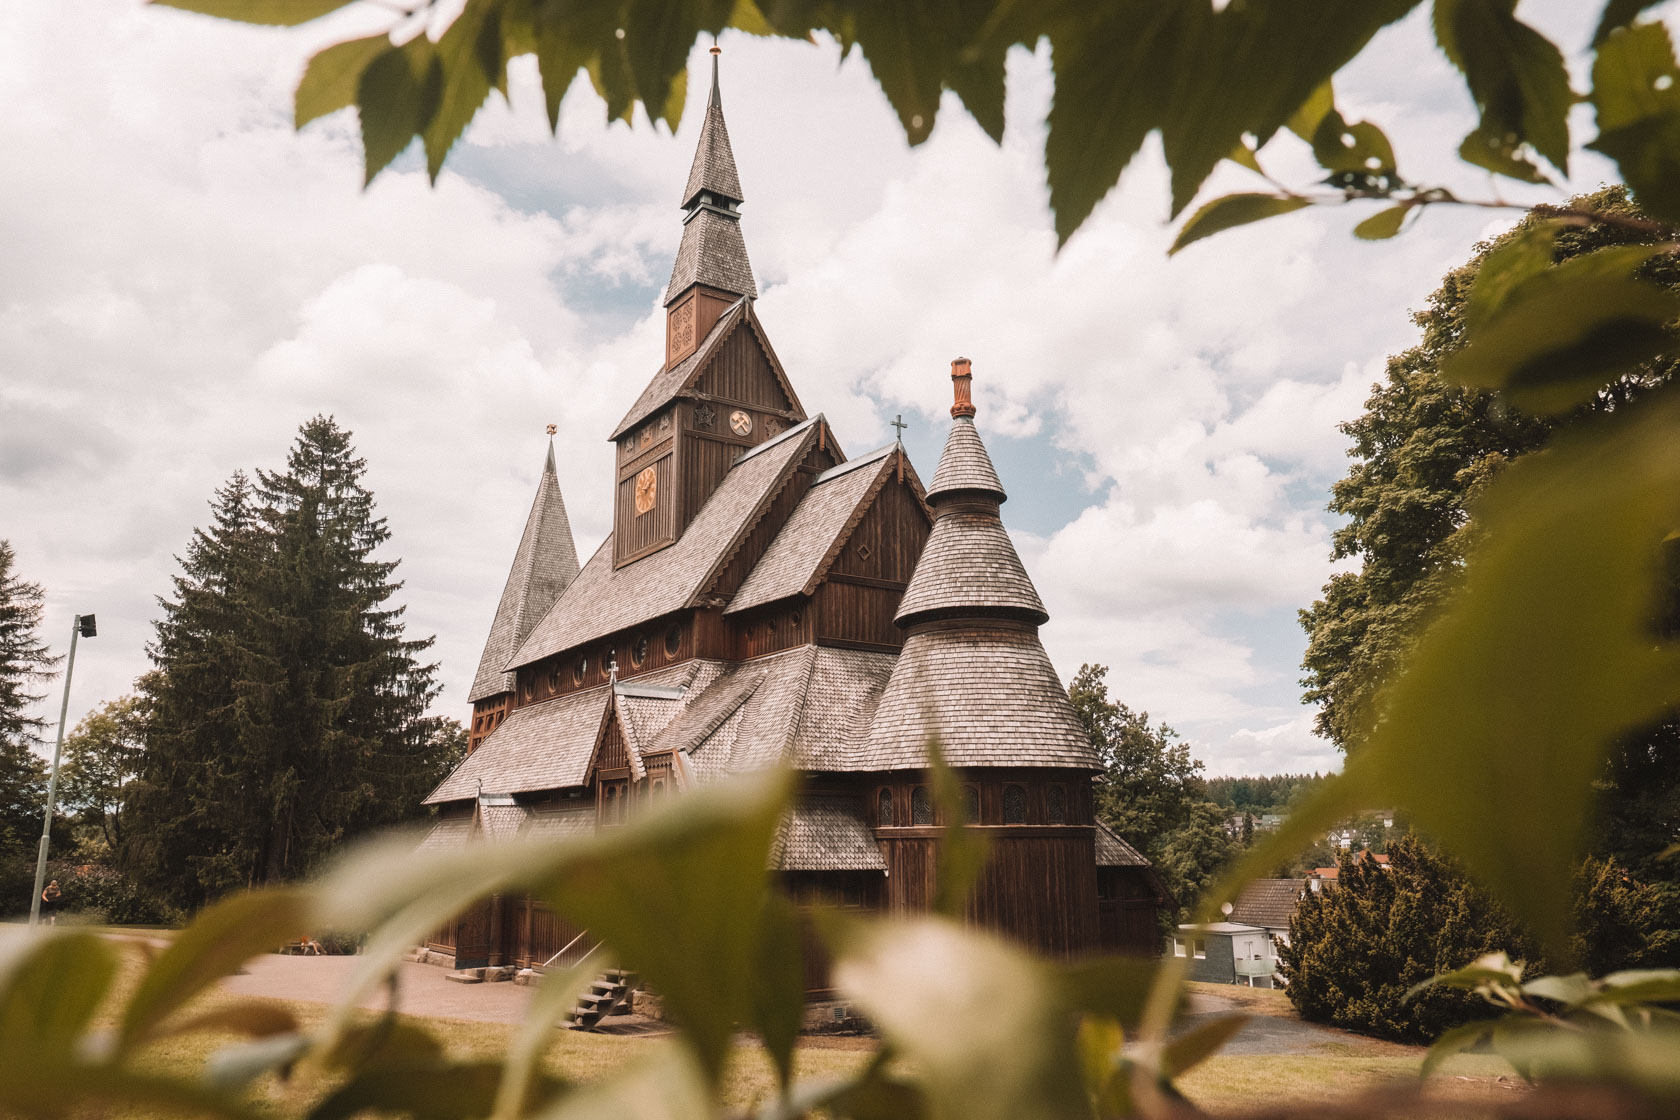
column 1222, row 1084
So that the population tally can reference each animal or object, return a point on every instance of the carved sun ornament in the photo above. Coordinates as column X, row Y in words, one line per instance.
column 740, row 423
column 646, row 486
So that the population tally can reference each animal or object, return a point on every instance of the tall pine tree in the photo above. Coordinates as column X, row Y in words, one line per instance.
column 288, row 705
column 25, row 663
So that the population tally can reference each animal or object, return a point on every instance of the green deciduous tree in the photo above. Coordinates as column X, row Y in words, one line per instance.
column 101, row 757
column 287, row 706
column 1152, row 790
column 25, row 664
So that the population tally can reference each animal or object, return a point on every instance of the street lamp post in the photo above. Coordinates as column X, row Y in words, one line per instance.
column 82, row 626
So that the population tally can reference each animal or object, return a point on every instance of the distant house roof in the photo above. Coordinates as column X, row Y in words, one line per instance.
column 1218, row 927
column 1333, row 873
column 603, row 598
column 1268, row 902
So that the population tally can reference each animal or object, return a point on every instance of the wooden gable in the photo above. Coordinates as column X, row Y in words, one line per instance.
column 858, row 588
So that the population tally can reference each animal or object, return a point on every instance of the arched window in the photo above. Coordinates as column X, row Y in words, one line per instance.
column 971, row 804
column 1055, row 804
column 884, row 808
column 921, row 806
column 1014, row 805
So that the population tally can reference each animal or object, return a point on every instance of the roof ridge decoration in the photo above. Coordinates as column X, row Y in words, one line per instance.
column 544, row 565
column 712, row 251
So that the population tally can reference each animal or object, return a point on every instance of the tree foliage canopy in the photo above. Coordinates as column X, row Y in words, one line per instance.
column 287, row 709
column 25, row 663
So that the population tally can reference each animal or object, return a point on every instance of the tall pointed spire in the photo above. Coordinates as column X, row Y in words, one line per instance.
column 543, row 566
column 713, row 252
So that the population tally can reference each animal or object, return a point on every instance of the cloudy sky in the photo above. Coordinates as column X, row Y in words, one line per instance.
column 185, row 280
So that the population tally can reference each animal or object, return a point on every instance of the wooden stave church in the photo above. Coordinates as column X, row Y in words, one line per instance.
column 763, row 599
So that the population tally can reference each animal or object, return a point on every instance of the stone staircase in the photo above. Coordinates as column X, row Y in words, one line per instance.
column 608, row 994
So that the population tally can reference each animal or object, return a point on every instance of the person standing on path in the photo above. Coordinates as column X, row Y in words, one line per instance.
column 49, row 902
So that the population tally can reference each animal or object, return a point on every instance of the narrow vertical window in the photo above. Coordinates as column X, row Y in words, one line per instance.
column 971, row 803
column 1014, row 805
column 1055, row 805
column 921, row 806
column 884, row 808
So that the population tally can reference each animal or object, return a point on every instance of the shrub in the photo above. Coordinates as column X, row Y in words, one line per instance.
column 1356, row 948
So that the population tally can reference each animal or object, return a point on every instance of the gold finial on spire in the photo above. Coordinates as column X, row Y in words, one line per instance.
column 553, row 429
column 962, row 377
column 717, row 98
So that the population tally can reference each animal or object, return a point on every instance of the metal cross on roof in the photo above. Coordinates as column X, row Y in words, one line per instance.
column 900, row 425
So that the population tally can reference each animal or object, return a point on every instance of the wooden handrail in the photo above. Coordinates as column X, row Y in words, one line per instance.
column 567, row 946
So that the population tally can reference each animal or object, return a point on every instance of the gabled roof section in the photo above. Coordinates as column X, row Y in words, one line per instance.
column 676, row 381
column 965, row 464
column 817, row 530
column 543, row 565
column 1268, row 902
column 670, row 382
column 539, row 746
column 603, row 599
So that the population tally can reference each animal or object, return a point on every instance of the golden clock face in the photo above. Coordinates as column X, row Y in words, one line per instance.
column 646, row 484
column 740, row 423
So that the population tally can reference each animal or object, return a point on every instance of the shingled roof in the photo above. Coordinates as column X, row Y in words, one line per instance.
column 545, row 562
column 964, row 464
column 538, row 746
column 712, row 252
column 827, row 834
column 603, row 599
column 1115, row 852
column 816, row 530
column 970, row 567
column 991, row 696
column 1268, row 902
column 714, row 161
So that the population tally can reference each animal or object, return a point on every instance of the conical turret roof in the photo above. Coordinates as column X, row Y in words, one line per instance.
column 964, row 464
column 544, row 564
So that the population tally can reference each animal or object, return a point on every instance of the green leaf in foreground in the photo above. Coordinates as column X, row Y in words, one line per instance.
column 332, row 77
column 1501, row 721
column 986, row 1028
column 397, row 97
column 1636, row 89
column 1516, row 75
column 280, row 13
column 1383, row 224
column 47, row 995
column 1561, row 334
column 224, row 937
column 1234, row 210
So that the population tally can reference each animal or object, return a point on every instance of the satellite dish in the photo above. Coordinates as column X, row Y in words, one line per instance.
column 1226, row 909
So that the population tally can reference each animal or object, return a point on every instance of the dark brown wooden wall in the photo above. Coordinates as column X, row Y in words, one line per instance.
column 1039, row 887
column 990, row 784
column 740, row 374
column 889, row 538
column 488, row 714
column 637, row 534
column 558, row 676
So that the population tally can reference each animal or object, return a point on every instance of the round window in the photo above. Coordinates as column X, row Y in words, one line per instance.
column 639, row 651
column 607, row 663
column 554, row 677
column 530, row 687
column 580, row 670
column 673, row 641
